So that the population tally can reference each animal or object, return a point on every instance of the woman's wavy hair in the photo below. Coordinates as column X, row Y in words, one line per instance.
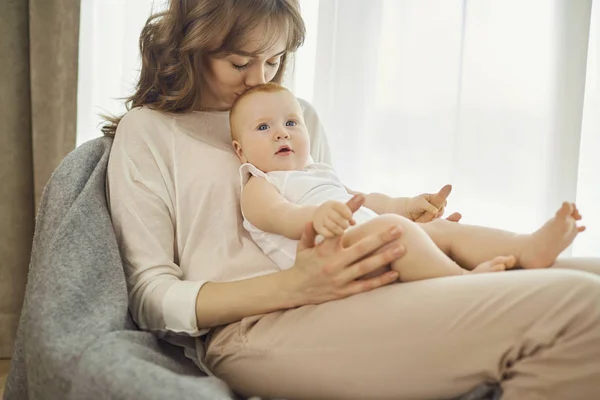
column 175, row 42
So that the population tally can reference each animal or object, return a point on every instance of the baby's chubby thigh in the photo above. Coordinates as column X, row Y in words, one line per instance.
column 373, row 226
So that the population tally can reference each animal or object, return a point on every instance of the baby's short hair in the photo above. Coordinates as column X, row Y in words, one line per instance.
column 269, row 87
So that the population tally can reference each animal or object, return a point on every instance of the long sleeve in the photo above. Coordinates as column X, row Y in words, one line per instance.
column 141, row 195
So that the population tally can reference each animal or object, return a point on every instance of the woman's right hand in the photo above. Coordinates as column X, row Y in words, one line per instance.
column 328, row 271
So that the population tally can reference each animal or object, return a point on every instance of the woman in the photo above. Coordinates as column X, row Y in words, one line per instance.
column 316, row 330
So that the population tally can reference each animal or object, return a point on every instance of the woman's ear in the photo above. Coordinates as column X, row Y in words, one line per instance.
column 238, row 150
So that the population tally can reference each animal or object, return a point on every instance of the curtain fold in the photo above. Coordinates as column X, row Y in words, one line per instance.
column 38, row 83
column 497, row 97
column 54, row 40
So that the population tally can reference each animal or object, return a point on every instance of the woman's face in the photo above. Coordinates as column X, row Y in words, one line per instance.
column 227, row 77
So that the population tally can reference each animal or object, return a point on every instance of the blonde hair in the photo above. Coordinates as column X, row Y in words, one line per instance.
column 174, row 44
column 269, row 87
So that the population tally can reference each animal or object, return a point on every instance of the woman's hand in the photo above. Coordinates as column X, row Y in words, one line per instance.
column 328, row 271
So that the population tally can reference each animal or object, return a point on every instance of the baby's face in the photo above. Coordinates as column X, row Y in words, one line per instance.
column 271, row 133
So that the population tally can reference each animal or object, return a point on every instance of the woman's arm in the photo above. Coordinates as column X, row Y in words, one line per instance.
column 269, row 211
column 140, row 199
column 220, row 303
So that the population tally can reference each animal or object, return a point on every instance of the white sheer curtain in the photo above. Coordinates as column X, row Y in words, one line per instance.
column 501, row 98
column 109, row 60
column 498, row 97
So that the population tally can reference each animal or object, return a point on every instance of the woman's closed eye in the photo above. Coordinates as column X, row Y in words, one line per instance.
column 241, row 67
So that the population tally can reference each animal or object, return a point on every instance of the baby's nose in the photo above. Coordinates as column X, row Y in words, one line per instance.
column 282, row 135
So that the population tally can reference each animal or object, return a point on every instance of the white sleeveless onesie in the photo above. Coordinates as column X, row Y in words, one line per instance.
column 314, row 185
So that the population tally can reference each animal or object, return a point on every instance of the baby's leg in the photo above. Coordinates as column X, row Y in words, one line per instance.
column 471, row 245
column 423, row 258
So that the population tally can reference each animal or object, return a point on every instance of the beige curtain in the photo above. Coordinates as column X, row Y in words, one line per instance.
column 38, row 114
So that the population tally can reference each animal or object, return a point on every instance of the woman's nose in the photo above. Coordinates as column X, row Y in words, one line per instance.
column 255, row 76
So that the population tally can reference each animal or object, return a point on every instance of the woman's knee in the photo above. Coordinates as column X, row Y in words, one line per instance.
column 574, row 294
column 582, row 285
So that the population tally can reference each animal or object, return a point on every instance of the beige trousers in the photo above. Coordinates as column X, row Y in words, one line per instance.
column 535, row 332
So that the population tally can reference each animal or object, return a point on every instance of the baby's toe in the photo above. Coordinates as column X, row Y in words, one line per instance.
column 565, row 210
column 498, row 267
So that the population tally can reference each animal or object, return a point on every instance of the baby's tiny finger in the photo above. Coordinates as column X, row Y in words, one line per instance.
column 341, row 221
column 345, row 211
column 326, row 232
column 334, row 227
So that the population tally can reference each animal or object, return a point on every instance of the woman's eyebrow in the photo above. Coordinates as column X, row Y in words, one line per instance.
column 252, row 55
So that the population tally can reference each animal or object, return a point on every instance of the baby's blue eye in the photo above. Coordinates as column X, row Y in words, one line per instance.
column 291, row 123
column 263, row 127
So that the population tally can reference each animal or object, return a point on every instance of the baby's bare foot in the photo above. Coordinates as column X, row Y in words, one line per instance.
column 546, row 244
column 497, row 264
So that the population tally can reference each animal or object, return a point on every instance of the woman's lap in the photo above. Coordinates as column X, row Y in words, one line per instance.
column 429, row 339
column 591, row 265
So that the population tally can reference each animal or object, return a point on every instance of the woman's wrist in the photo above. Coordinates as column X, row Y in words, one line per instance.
column 220, row 303
column 290, row 294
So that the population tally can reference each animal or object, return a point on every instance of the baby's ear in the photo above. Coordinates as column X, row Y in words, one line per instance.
column 238, row 150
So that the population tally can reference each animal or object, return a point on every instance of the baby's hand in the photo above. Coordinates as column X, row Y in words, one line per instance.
column 332, row 218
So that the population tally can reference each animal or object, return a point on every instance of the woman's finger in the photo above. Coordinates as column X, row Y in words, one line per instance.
column 440, row 197
column 379, row 259
column 356, row 202
column 361, row 286
column 307, row 240
column 454, row 217
column 368, row 245
column 330, row 246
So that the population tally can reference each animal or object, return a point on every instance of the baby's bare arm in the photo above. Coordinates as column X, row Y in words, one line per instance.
column 269, row 211
column 383, row 204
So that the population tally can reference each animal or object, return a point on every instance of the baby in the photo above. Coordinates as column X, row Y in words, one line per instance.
column 283, row 190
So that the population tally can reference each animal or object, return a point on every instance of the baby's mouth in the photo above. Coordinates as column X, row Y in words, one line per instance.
column 285, row 149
